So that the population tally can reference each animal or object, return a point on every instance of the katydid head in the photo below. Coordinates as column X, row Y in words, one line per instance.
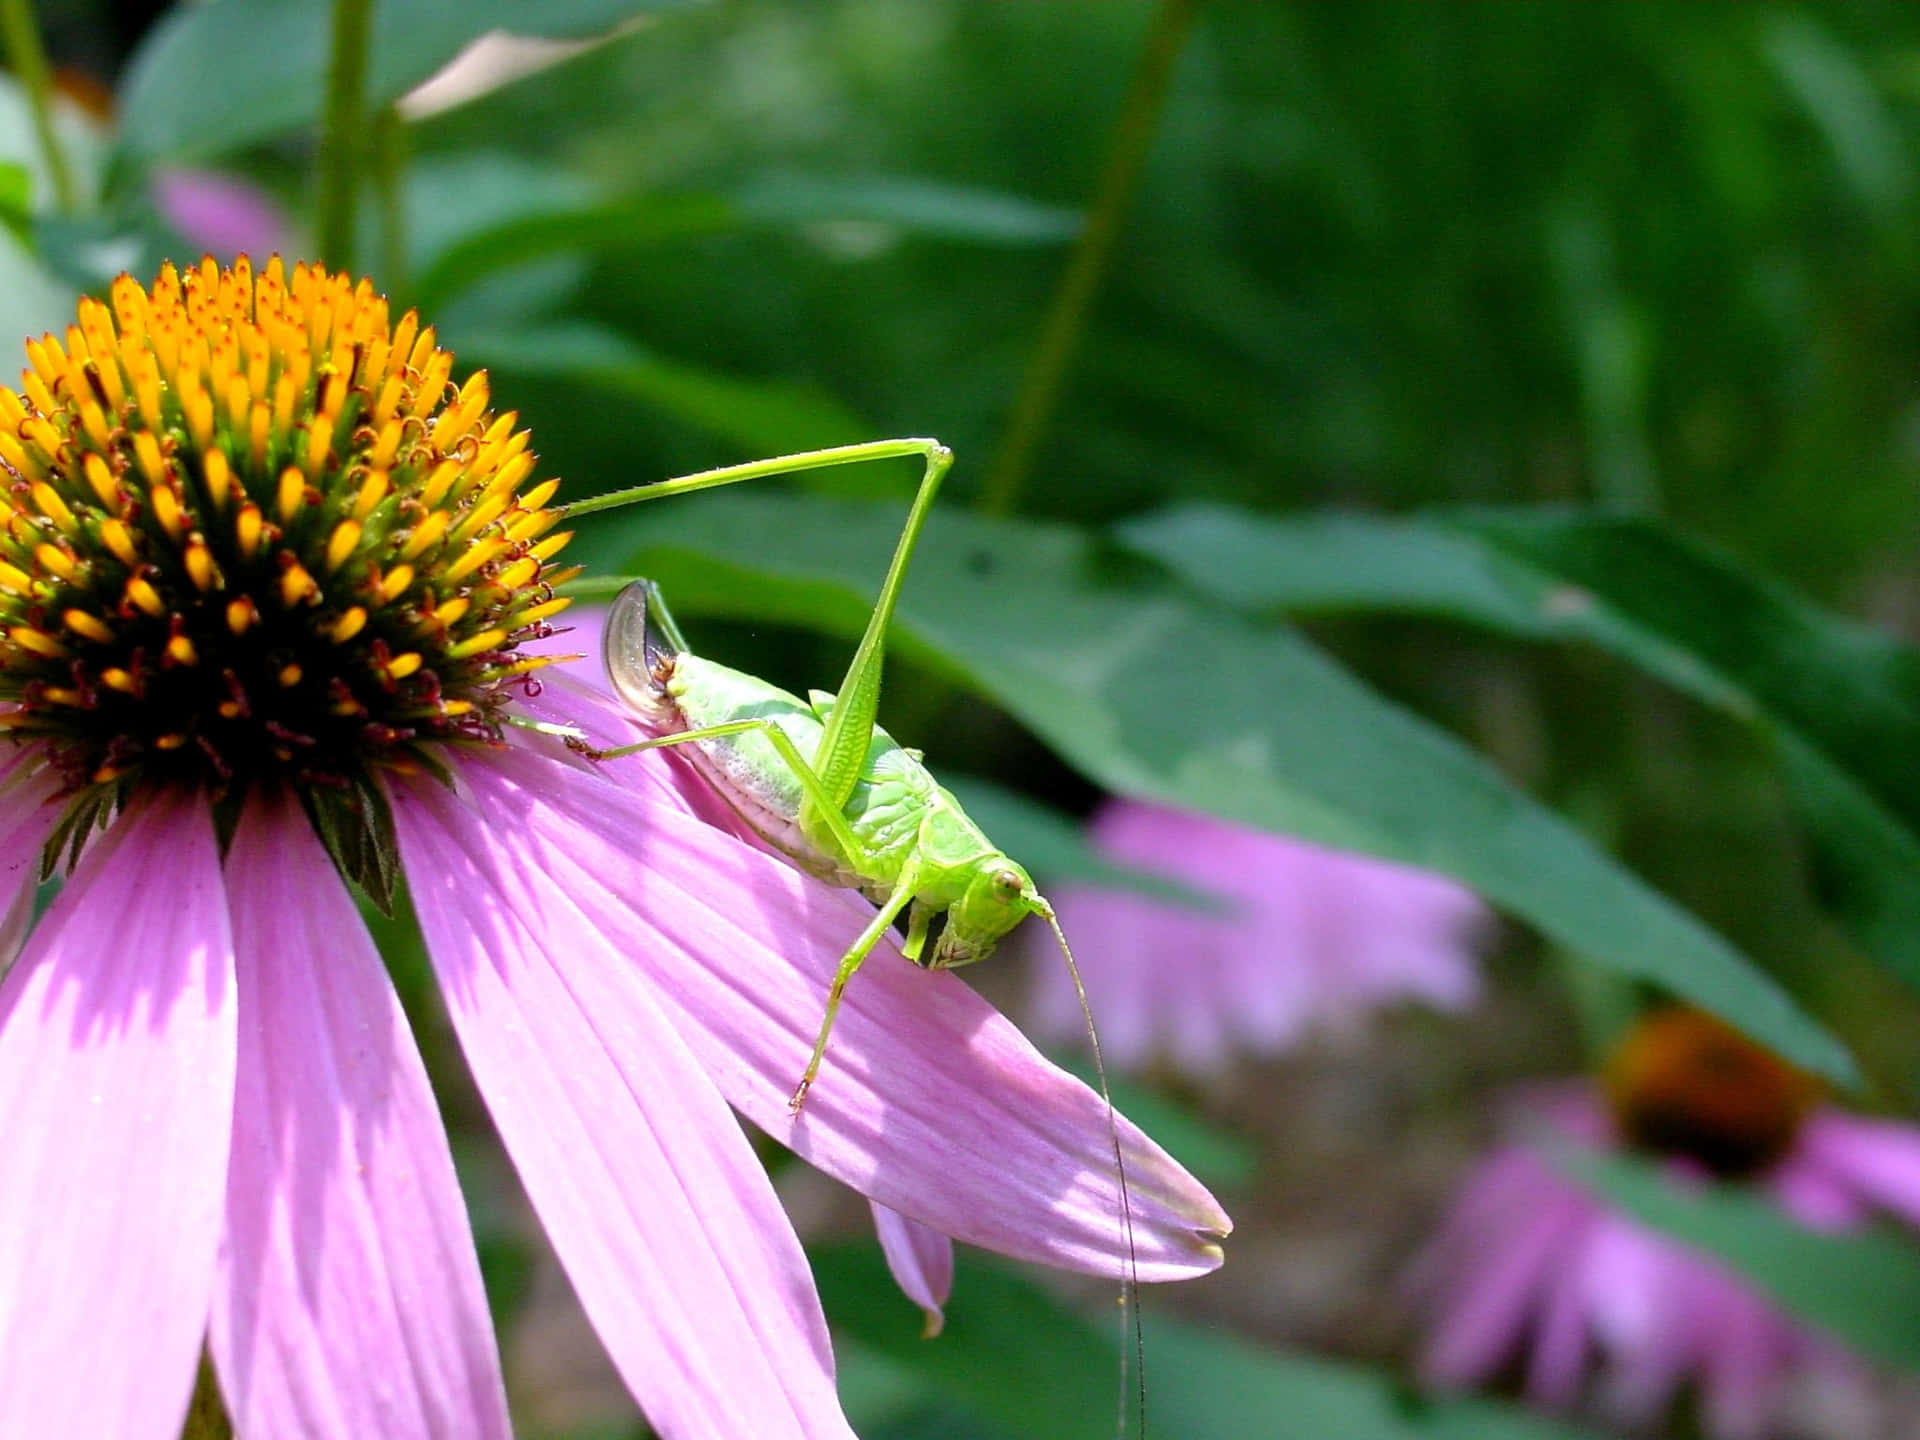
column 998, row 895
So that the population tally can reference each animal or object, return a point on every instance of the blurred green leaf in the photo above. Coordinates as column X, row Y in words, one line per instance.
column 1009, row 1351
column 927, row 208
column 1840, row 702
column 1215, row 1384
column 16, row 199
column 1863, row 1288
column 215, row 77
column 1157, row 697
column 1839, row 97
column 1053, row 845
column 936, row 209
column 759, row 416
column 1020, row 1359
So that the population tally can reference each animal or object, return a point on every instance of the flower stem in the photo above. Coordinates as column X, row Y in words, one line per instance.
column 207, row 1412
column 1066, row 316
column 389, row 169
column 29, row 58
column 341, row 136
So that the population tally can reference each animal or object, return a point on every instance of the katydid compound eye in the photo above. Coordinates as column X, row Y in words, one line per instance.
column 1009, row 884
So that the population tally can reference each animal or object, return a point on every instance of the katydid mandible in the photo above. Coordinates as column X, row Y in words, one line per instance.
column 818, row 779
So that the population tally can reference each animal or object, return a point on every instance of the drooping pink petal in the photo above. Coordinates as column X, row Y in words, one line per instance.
column 930, row 1102
column 1303, row 937
column 116, row 1075
column 1877, row 1159
column 1502, row 1269
column 921, row 1261
column 654, row 1201
column 349, row 1301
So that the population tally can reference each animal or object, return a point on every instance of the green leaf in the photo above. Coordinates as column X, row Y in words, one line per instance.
column 219, row 76
column 1156, row 696
column 16, row 200
column 913, row 206
column 1863, row 1288
column 1216, row 1385
column 759, row 416
column 1053, row 846
column 1026, row 1364
column 931, row 208
column 1840, row 702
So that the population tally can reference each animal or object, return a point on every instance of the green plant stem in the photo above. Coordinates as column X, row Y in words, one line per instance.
column 389, row 171
column 342, row 135
column 1066, row 317
column 207, row 1412
column 29, row 60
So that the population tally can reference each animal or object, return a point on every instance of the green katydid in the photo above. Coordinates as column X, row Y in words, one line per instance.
column 824, row 785
column 818, row 779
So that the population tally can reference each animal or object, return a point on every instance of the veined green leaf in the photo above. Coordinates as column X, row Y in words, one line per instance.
column 1157, row 696
column 1863, row 1288
column 225, row 74
column 1840, row 702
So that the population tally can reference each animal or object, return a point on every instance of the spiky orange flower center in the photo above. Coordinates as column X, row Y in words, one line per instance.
column 252, row 531
column 1682, row 1082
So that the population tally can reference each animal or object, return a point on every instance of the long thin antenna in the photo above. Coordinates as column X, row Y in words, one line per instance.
column 1130, row 1287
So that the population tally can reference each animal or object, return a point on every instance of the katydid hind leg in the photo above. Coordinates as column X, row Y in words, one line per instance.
column 853, row 850
column 843, row 749
column 849, row 730
column 903, row 892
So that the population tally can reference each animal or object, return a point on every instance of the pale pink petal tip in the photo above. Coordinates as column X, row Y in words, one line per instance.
column 921, row 1260
column 350, row 1300
column 1299, row 938
column 111, row 1199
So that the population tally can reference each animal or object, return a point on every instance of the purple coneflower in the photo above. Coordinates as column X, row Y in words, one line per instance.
column 265, row 585
column 1297, row 937
column 220, row 213
column 1531, row 1266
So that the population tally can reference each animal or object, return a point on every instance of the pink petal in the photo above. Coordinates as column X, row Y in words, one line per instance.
column 1878, row 1159
column 1508, row 1256
column 930, row 1102
column 349, row 1301
column 653, row 1199
column 921, row 1261
column 221, row 213
column 116, row 1075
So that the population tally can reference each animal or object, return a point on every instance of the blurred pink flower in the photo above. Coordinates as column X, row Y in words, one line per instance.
column 1530, row 1264
column 221, row 214
column 1301, row 937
